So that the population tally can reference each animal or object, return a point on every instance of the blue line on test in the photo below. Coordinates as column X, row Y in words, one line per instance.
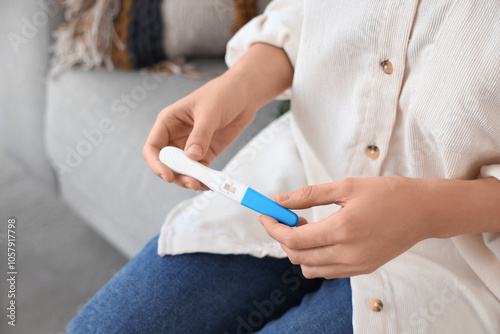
column 266, row 206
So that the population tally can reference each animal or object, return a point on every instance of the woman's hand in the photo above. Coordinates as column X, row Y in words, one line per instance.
column 380, row 218
column 204, row 123
column 208, row 120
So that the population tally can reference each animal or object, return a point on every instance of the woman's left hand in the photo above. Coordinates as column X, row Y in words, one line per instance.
column 379, row 218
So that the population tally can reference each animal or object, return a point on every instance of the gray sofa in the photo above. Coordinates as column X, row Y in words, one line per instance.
column 82, row 134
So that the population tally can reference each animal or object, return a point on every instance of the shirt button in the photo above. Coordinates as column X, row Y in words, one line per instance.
column 372, row 152
column 386, row 66
column 375, row 305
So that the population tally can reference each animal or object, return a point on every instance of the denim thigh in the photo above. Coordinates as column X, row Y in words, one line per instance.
column 194, row 293
column 327, row 310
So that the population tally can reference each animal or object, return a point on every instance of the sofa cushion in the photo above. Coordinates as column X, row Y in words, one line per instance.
column 97, row 124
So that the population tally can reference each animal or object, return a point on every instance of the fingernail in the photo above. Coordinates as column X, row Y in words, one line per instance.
column 188, row 185
column 282, row 197
column 195, row 149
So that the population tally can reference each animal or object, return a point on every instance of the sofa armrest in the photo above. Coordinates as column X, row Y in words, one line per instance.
column 26, row 35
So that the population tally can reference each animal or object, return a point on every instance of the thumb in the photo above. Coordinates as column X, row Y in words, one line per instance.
column 302, row 221
column 199, row 139
column 309, row 196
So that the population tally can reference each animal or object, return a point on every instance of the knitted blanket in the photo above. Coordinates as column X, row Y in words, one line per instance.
column 124, row 33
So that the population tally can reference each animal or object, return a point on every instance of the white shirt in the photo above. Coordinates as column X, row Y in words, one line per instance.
column 436, row 116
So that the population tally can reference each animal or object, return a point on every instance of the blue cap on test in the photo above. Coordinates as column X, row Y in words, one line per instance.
column 260, row 203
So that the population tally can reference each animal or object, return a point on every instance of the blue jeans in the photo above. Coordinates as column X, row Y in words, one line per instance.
column 212, row 293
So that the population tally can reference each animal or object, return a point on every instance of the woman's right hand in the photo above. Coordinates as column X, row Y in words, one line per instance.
column 207, row 121
column 203, row 124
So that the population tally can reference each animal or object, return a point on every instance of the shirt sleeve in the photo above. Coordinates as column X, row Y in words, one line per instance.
column 280, row 25
column 490, row 171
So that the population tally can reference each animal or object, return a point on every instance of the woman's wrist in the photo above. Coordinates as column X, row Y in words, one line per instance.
column 454, row 207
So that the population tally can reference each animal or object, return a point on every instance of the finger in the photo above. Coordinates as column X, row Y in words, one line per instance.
column 151, row 155
column 187, row 182
column 204, row 188
column 318, row 256
column 198, row 142
column 158, row 138
column 302, row 237
column 302, row 222
column 314, row 195
column 333, row 271
column 194, row 184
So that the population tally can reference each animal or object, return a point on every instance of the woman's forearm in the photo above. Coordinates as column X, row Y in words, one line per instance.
column 264, row 71
column 457, row 207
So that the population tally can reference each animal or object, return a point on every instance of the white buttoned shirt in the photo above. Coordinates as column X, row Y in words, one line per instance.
column 390, row 87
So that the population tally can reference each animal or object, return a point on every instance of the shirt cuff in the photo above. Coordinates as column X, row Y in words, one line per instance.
column 280, row 25
column 490, row 171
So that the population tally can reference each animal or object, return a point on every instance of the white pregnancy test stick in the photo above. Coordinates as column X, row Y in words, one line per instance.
column 175, row 159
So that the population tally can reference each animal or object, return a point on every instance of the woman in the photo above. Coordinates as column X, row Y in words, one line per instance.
column 393, row 147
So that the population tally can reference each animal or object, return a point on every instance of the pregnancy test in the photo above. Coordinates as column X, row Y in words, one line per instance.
column 175, row 159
